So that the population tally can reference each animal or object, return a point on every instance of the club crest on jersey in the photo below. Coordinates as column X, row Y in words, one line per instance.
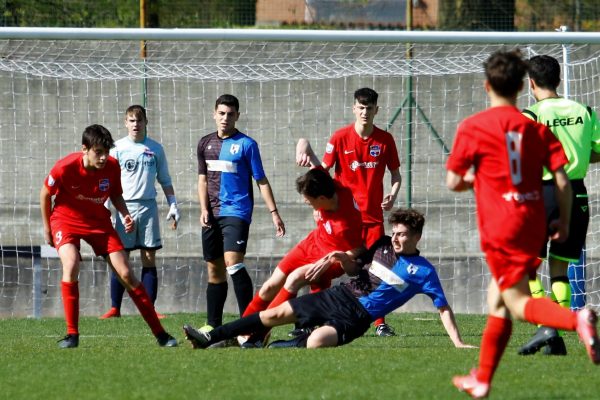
column 51, row 180
column 104, row 184
column 412, row 269
column 375, row 150
column 234, row 149
column 327, row 227
column 329, row 148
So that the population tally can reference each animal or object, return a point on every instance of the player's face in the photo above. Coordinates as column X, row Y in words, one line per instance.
column 364, row 113
column 226, row 117
column 315, row 202
column 95, row 157
column 403, row 240
column 136, row 127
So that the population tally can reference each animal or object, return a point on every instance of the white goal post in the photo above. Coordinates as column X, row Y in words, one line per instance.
column 291, row 84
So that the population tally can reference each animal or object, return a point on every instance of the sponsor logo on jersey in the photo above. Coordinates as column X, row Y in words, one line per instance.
column 551, row 123
column 131, row 165
column 51, row 180
column 104, row 184
column 96, row 200
column 367, row 165
column 327, row 226
column 234, row 149
column 375, row 150
column 522, row 197
column 221, row 166
column 329, row 148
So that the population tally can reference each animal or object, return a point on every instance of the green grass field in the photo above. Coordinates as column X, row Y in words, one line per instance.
column 118, row 359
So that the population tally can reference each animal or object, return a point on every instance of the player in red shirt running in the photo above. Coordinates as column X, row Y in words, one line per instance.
column 500, row 153
column 359, row 154
column 80, row 184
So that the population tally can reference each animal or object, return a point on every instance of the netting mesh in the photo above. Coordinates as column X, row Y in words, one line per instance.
column 51, row 90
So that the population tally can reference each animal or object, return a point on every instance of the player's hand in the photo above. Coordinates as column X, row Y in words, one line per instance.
column 305, row 156
column 174, row 215
column 279, row 225
column 469, row 177
column 388, row 202
column 462, row 345
column 205, row 219
column 559, row 231
column 48, row 239
column 128, row 223
column 315, row 271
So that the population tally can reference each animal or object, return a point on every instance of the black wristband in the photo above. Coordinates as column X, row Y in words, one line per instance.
column 272, row 211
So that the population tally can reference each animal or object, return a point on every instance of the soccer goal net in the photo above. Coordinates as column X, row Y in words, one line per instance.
column 53, row 87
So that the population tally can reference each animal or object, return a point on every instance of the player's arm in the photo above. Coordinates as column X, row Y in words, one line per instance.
column 317, row 269
column 460, row 183
column 390, row 198
column 267, row 194
column 305, row 156
column 449, row 322
column 560, row 226
column 120, row 205
column 203, row 199
column 46, row 209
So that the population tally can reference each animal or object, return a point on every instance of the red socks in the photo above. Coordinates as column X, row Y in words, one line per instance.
column 146, row 308
column 257, row 304
column 70, row 297
column 543, row 311
column 493, row 343
column 379, row 321
column 281, row 298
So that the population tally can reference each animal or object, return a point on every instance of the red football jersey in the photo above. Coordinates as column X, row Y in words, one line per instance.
column 508, row 151
column 81, row 193
column 360, row 165
column 340, row 229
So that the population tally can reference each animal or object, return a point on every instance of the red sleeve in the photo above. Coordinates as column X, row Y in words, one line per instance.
column 461, row 157
column 393, row 161
column 52, row 181
column 330, row 157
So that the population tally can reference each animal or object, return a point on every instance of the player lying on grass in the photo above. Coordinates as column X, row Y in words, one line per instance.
column 80, row 184
column 389, row 275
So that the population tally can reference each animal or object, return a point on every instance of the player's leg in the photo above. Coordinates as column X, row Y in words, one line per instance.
column 293, row 283
column 216, row 289
column 235, row 241
column 70, row 260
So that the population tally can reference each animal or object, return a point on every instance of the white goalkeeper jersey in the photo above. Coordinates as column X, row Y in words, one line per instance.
column 142, row 164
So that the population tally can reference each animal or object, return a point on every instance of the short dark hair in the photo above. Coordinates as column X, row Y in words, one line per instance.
column 545, row 71
column 228, row 100
column 136, row 110
column 316, row 182
column 408, row 217
column 97, row 135
column 504, row 70
column 366, row 96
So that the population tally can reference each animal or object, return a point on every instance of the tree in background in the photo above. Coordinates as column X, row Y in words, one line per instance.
column 477, row 15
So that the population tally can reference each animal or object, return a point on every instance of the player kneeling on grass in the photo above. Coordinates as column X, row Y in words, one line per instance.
column 80, row 184
column 385, row 278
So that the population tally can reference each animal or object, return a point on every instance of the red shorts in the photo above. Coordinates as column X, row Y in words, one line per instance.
column 371, row 232
column 509, row 268
column 307, row 252
column 103, row 238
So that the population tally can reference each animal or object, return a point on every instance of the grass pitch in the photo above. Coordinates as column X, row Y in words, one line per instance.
column 119, row 359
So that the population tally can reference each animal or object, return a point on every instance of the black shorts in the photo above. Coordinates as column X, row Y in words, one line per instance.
column 569, row 250
column 225, row 234
column 335, row 307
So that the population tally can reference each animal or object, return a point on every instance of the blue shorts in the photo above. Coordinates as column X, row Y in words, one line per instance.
column 225, row 234
column 146, row 233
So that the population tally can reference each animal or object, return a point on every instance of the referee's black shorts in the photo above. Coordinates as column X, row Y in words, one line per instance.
column 570, row 249
column 335, row 307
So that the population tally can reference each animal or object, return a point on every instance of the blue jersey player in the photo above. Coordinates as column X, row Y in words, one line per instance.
column 228, row 160
column 385, row 278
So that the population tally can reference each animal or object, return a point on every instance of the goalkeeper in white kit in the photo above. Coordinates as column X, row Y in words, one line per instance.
column 143, row 162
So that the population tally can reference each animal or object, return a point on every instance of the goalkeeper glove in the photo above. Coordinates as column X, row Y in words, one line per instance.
column 174, row 213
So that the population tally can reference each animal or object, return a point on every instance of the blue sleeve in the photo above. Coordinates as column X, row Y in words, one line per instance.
column 433, row 288
column 162, row 168
column 253, row 154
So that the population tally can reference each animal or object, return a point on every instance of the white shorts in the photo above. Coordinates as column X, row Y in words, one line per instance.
column 146, row 234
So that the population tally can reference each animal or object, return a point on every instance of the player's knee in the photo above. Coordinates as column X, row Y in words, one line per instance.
column 325, row 336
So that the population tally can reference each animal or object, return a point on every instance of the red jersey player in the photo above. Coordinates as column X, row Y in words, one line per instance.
column 500, row 153
column 338, row 221
column 80, row 184
column 359, row 153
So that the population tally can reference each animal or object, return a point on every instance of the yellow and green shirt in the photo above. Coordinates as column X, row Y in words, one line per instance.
column 575, row 126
